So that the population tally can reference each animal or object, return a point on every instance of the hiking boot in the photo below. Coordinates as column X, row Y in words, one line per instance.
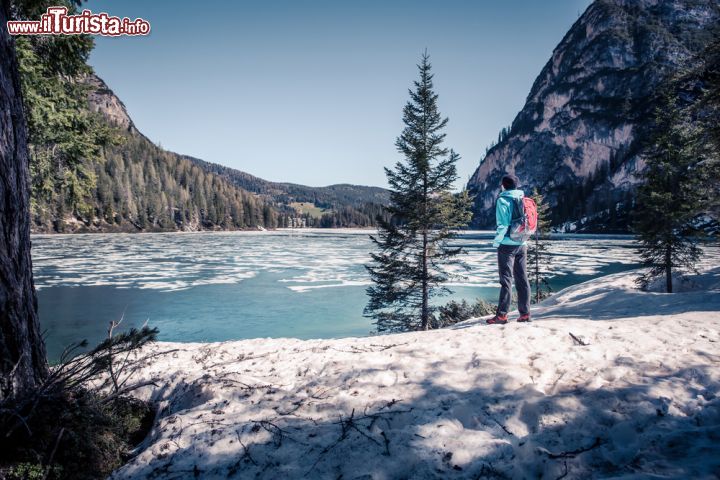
column 524, row 318
column 498, row 320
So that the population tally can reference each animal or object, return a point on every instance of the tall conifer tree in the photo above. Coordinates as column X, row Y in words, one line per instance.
column 707, row 111
column 414, row 257
column 672, row 195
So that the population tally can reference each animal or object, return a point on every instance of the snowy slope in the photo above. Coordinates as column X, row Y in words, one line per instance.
column 477, row 401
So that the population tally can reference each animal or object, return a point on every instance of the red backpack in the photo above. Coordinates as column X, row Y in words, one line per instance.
column 524, row 219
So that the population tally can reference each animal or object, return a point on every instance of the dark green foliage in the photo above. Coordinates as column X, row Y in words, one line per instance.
column 87, row 175
column 672, row 195
column 681, row 179
column 349, row 205
column 143, row 187
column 711, row 74
column 64, row 55
column 79, row 423
column 62, row 133
column 31, row 471
column 539, row 261
column 706, row 112
column 347, row 216
column 503, row 135
column 139, row 186
column 593, row 196
column 413, row 255
column 454, row 312
column 96, row 436
column 322, row 197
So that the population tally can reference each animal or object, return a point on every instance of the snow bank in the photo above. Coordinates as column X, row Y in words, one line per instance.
column 633, row 392
column 684, row 283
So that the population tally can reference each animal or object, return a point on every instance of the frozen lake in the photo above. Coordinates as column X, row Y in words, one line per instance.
column 214, row 286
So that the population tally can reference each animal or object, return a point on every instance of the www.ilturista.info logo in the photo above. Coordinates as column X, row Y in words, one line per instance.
column 57, row 22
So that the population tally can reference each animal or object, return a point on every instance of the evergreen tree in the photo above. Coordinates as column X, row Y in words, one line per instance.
column 414, row 255
column 671, row 197
column 707, row 72
column 538, row 251
column 62, row 132
column 707, row 112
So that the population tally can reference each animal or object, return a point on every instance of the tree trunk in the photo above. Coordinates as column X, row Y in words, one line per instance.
column 668, row 270
column 425, row 314
column 22, row 352
column 425, row 311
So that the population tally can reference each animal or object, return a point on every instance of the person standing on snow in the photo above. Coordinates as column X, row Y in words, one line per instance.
column 512, row 254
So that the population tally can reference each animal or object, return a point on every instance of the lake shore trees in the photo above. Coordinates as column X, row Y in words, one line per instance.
column 413, row 257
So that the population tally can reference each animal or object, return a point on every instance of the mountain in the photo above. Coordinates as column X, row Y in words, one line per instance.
column 578, row 138
column 331, row 206
column 324, row 197
column 131, row 185
column 135, row 185
column 104, row 101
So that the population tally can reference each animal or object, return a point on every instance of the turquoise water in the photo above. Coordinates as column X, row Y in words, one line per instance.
column 224, row 286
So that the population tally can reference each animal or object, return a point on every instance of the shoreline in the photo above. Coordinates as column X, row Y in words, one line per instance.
column 616, row 376
column 490, row 233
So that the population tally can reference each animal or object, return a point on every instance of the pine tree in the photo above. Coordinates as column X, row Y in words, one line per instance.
column 707, row 111
column 62, row 132
column 538, row 252
column 414, row 254
column 671, row 197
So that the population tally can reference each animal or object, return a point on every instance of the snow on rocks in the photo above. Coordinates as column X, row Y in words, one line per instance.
column 639, row 398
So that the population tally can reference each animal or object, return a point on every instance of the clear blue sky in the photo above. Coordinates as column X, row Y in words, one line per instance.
column 312, row 92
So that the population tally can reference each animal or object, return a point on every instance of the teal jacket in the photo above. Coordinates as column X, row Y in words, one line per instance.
column 503, row 215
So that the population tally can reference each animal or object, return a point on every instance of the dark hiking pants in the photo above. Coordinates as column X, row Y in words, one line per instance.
column 512, row 263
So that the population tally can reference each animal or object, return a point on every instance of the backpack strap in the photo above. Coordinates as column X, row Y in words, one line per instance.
column 517, row 212
column 515, row 215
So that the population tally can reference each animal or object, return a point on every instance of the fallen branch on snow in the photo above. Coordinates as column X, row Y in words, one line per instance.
column 578, row 340
column 573, row 453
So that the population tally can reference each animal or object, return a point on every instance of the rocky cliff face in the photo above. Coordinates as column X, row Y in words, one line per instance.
column 578, row 139
column 103, row 100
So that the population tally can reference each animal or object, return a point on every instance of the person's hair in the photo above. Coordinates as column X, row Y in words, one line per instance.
column 510, row 181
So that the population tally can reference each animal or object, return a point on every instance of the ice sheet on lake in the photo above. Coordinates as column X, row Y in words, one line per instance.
column 304, row 260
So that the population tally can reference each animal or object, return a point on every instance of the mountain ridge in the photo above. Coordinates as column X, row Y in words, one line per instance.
column 142, row 187
column 578, row 138
column 353, row 200
column 340, row 192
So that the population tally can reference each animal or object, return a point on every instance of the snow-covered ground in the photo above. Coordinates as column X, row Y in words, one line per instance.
column 606, row 382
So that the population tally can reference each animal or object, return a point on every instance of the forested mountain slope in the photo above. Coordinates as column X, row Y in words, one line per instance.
column 340, row 205
column 324, row 197
column 92, row 171
column 130, row 184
